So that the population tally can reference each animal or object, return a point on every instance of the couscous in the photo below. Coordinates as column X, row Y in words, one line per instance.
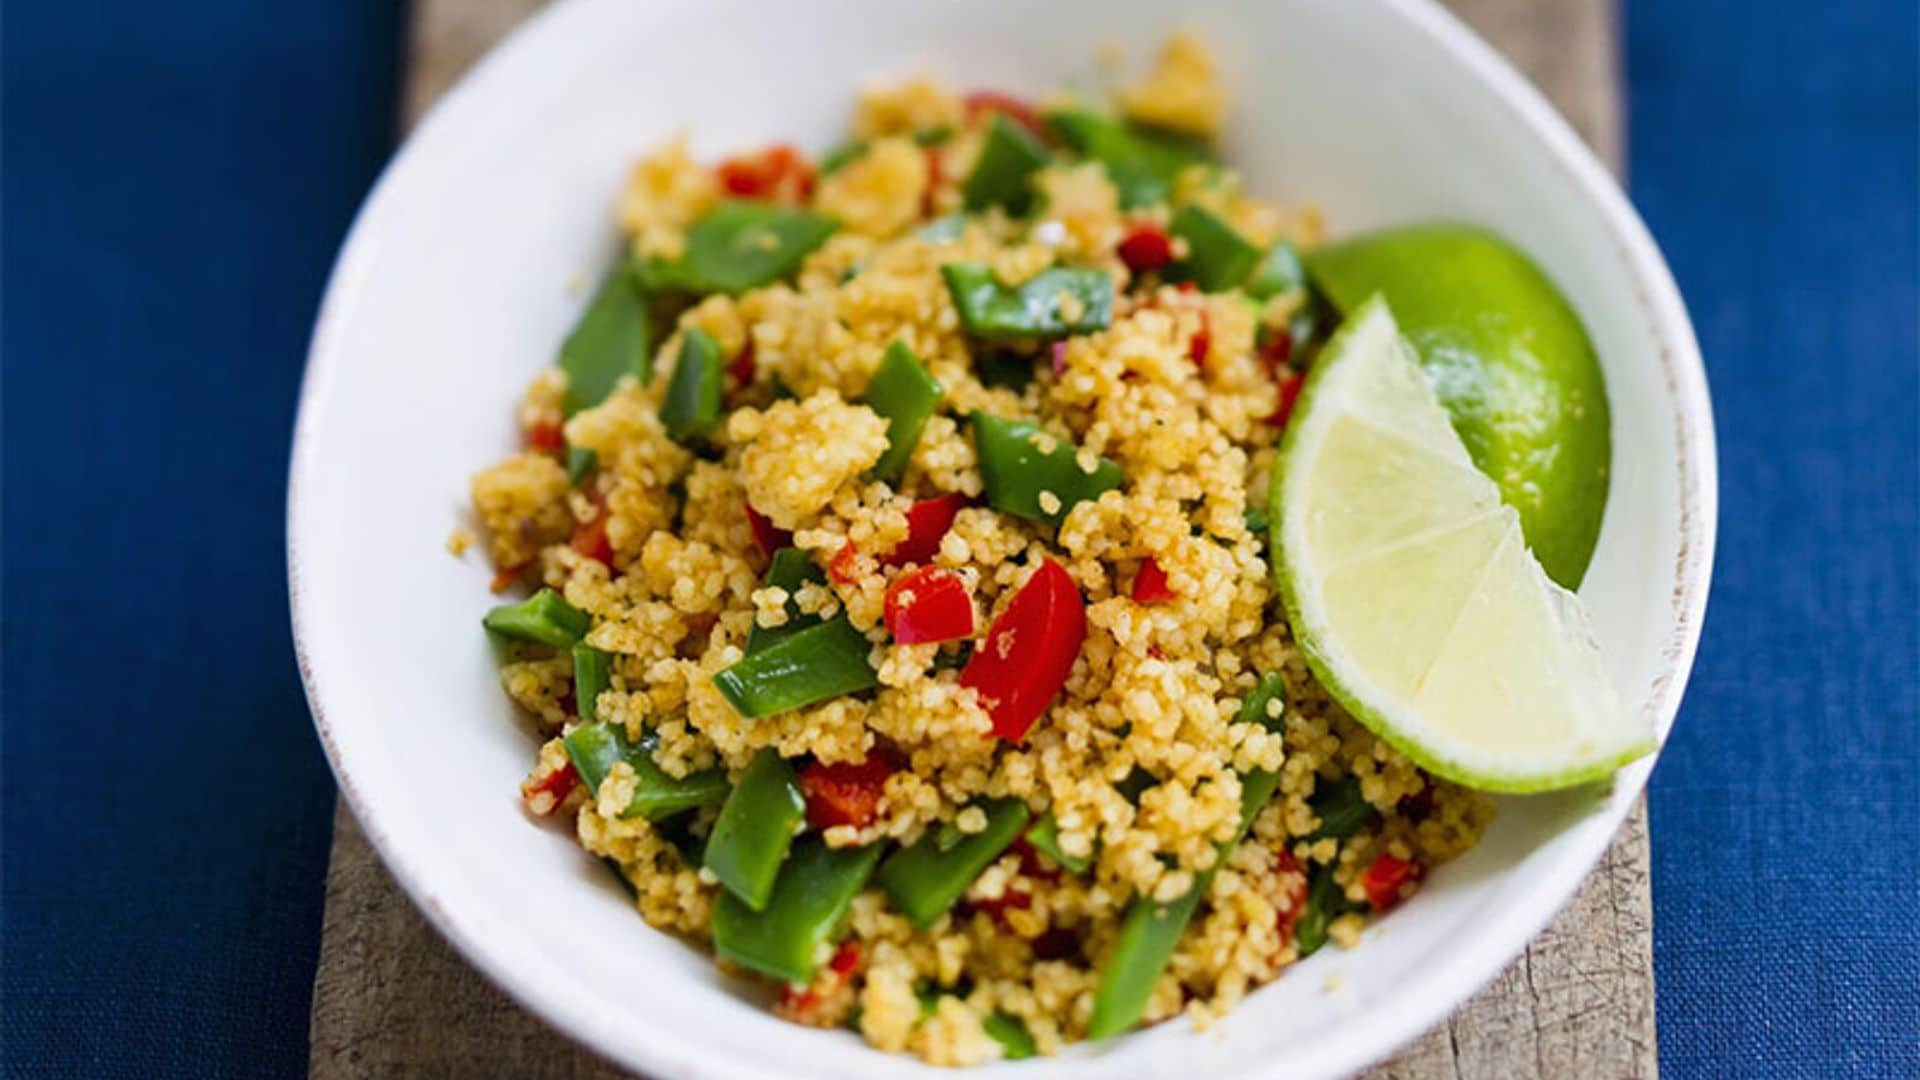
column 903, row 628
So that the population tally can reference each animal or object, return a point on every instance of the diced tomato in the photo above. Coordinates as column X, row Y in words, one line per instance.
column 1145, row 248
column 778, row 172
column 982, row 102
column 544, row 796
column 1295, row 899
column 996, row 909
column 845, row 567
column 1202, row 342
column 1150, row 584
column 1387, row 880
column 1029, row 651
column 766, row 535
column 843, row 793
column 590, row 538
column 547, row 436
column 1290, row 383
column 928, row 604
column 504, row 577
column 927, row 523
column 742, row 366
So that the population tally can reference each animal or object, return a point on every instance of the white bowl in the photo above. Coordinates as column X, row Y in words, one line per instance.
column 461, row 276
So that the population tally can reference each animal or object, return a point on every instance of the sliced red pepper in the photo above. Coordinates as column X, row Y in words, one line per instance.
column 504, row 577
column 982, row 102
column 808, row 1004
column 766, row 536
column 845, row 565
column 590, row 538
column 1296, row 896
column 1386, row 877
column 927, row 523
column 1029, row 651
column 547, row 436
column 778, row 172
column 845, row 793
column 928, row 604
column 1145, row 248
column 1290, row 383
column 556, row 786
column 1150, row 584
column 1202, row 342
column 741, row 367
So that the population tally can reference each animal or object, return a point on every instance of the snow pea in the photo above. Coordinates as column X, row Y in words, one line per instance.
column 1279, row 271
column 1254, row 709
column 1016, row 1043
column 691, row 407
column 1008, row 159
column 806, row 666
column 1341, row 809
column 924, row 880
column 1142, row 164
column 1218, row 258
column 594, row 749
column 740, row 245
column 1152, row 928
column 592, row 670
column 1033, row 310
column 790, row 569
column 755, row 828
column 544, row 618
column 1045, row 838
column 612, row 338
column 1017, row 471
column 806, row 911
column 903, row 393
column 1326, row 901
column 580, row 462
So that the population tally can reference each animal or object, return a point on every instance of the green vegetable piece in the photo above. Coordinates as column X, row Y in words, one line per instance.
column 1008, row 159
column 942, row 230
column 806, row 666
column 594, row 749
column 1015, row 1041
column 1017, row 471
column 841, row 156
column 1257, row 522
column 1326, row 901
column 903, row 393
column 691, row 407
column 612, row 338
column 592, row 673
column 1255, row 710
column 740, row 245
column 1142, row 164
column 991, row 311
column 1045, row 838
column 580, row 462
column 1341, row 809
column 1218, row 258
column 1280, row 271
column 932, row 136
column 924, row 880
column 755, row 828
column 1151, row 929
column 806, row 911
column 544, row 618
column 790, row 569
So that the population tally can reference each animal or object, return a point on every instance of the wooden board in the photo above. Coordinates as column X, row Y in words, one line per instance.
column 391, row 998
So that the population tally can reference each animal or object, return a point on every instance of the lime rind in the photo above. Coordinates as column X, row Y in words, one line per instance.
column 1606, row 738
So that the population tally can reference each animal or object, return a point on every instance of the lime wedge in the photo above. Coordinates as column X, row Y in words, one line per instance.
column 1511, row 363
column 1411, row 590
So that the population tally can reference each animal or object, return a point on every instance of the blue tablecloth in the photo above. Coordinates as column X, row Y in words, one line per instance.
column 176, row 178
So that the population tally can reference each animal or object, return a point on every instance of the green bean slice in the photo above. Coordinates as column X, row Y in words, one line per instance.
column 926, row 879
column 790, row 569
column 691, row 407
column 741, row 245
column 580, row 462
column 1341, row 809
column 805, row 912
column 595, row 748
column 544, row 618
column 592, row 673
column 810, row 665
column 1142, row 164
column 904, row 394
column 1052, row 304
column 612, row 338
column 1008, row 159
column 755, row 828
column 1017, row 471
column 1218, row 258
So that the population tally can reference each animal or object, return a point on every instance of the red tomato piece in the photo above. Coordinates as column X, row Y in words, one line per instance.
column 504, row 577
column 547, row 436
column 766, row 535
column 982, row 102
column 845, row 793
column 1296, row 894
column 1290, row 383
column 927, row 522
column 544, row 796
column 590, row 538
column 1385, row 878
column 1150, row 584
column 845, row 565
column 1029, row 651
column 778, row 172
column 1145, row 248
column 928, row 604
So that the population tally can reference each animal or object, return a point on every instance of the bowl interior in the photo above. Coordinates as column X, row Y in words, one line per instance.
column 468, row 265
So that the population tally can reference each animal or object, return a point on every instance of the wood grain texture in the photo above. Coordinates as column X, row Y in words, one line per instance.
column 391, row 998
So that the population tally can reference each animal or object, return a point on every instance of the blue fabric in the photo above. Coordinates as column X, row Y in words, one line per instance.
column 1773, row 152
column 177, row 178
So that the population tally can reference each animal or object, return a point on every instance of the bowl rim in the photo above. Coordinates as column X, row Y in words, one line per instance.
column 1411, row 1009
